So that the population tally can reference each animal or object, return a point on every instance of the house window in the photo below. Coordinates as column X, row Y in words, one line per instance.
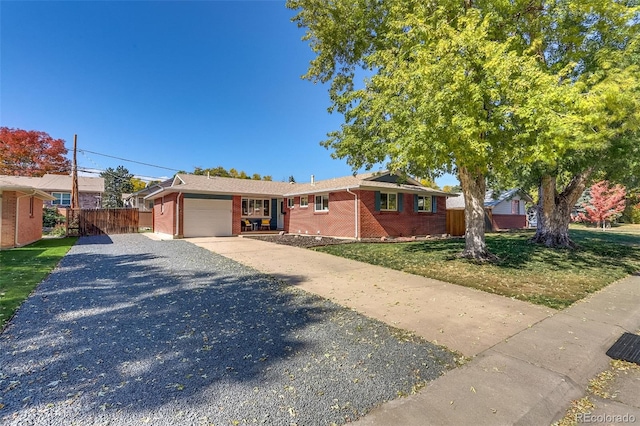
column 304, row 201
column 255, row 207
column 322, row 202
column 290, row 202
column 162, row 205
column 388, row 201
column 424, row 203
column 515, row 207
column 61, row 198
column 30, row 206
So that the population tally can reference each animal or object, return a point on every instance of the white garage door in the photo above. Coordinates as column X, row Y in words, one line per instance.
column 207, row 218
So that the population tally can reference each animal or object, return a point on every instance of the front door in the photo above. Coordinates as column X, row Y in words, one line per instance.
column 280, row 217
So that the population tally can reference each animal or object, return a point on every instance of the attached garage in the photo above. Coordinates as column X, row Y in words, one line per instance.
column 207, row 217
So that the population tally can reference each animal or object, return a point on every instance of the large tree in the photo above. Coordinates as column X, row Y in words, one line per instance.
column 592, row 45
column 488, row 89
column 31, row 153
column 447, row 87
column 116, row 182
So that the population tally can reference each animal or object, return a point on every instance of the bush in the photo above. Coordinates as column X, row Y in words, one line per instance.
column 51, row 217
column 631, row 214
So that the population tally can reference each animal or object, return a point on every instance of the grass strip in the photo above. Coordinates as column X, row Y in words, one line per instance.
column 23, row 268
column 551, row 277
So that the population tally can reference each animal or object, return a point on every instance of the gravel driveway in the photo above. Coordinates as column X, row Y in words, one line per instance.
column 133, row 331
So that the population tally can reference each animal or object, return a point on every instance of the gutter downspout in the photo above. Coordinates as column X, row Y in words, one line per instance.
column 15, row 239
column 355, row 212
column 177, row 233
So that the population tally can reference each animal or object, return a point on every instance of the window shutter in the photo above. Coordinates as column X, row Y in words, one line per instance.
column 434, row 204
column 377, row 206
column 400, row 201
column 415, row 202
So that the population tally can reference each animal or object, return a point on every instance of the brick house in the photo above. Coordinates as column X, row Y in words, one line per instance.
column 20, row 214
column 90, row 189
column 364, row 206
column 503, row 211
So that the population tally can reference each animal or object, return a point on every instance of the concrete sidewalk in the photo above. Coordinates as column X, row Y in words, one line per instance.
column 529, row 362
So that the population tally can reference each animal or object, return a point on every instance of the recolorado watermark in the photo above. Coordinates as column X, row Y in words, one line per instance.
column 605, row 418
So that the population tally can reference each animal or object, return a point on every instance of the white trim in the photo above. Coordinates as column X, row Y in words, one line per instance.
column 315, row 204
column 430, row 205
column 387, row 194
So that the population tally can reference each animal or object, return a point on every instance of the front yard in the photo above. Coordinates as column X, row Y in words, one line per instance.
column 24, row 268
column 554, row 278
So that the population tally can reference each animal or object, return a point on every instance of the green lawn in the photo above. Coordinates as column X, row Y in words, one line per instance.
column 22, row 269
column 555, row 278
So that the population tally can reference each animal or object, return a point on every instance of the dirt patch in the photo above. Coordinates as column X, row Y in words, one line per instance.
column 307, row 241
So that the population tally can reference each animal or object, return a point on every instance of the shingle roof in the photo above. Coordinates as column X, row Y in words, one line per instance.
column 61, row 183
column 6, row 185
column 224, row 185
column 364, row 180
column 220, row 185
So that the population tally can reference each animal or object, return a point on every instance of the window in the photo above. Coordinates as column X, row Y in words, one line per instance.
column 304, row 201
column 515, row 207
column 290, row 202
column 388, row 201
column 424, row 203
column 322, row 203
column 61, row 198
column 30, row 206
column 255, row 207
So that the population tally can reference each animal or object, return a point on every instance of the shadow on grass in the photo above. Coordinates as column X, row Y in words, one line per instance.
column 515, row 251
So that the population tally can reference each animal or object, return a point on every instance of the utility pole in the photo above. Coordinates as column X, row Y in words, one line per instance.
column 75, row 204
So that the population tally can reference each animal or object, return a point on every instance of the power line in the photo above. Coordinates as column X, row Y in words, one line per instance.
column 130, row 161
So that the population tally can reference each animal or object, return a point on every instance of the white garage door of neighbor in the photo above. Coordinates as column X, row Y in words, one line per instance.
column 207, row 218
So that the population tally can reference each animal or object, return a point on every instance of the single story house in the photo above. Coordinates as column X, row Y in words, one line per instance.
column 369, row 205
column 20, row 214
column 90, row 189
column 136, row 199
column 504, row 210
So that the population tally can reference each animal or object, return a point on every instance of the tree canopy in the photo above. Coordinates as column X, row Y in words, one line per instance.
column 481, row 88
column 231, row 173
column 31, row 153
column 117, row 181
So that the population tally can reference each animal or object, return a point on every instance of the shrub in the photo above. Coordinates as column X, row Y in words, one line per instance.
column 51, row 217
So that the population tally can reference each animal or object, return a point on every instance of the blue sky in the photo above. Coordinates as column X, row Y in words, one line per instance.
column 175, row 84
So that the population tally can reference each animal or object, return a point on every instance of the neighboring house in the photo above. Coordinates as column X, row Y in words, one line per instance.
column 363, row 206
column 90, row 189
column 505, row 210
column 137, row 200
column 20, row 214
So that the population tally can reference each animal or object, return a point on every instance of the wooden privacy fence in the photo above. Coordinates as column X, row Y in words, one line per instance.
column 455, row 222
column 102, row 221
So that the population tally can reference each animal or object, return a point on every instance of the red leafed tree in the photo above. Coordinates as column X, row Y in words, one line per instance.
column 606, row 202
column 31, row 153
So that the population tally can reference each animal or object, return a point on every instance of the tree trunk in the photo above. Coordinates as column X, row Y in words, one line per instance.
column 554, row 210
column 473, row 188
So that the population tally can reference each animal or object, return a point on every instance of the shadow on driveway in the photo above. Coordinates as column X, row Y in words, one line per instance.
column 143, row 330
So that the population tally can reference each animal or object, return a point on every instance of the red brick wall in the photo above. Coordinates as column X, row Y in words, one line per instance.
column 400, row 224
column 509, row 221
column 164, row 220
column 8, row 217
column 29, row 225
column 339, row 220
column 236, row 227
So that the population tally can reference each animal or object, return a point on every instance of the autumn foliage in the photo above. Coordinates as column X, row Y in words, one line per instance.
column 606, row 203
column 31, row 153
